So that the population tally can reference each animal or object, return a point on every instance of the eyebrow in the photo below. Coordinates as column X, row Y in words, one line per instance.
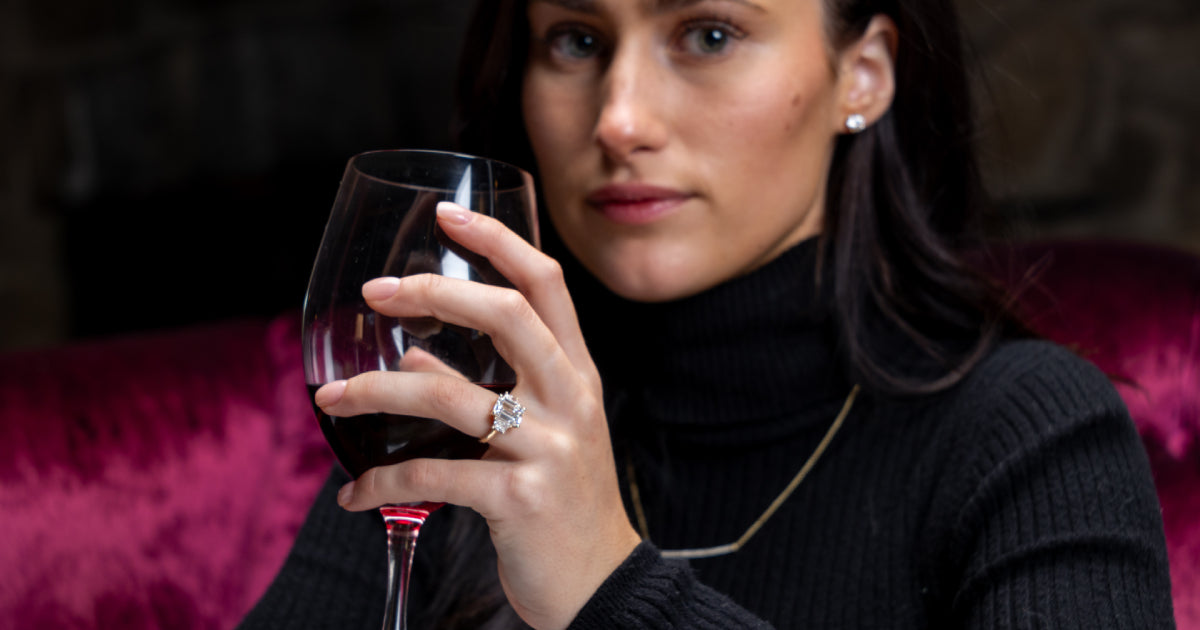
column 654, row 6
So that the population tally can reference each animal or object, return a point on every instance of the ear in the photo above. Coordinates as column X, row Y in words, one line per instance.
column 866, row 73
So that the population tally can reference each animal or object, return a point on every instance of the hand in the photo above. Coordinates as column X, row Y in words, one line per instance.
column 548, row 488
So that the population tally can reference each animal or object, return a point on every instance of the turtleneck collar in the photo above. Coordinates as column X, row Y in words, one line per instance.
column 758, row 348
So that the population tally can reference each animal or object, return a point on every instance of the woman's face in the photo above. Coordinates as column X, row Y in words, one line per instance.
column 680, row 143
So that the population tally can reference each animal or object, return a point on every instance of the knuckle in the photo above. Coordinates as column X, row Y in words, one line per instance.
column 370, row 384
column 514, row 304
column 528, row 489
column 367, row 487
column 596, row 386
column 549, row 272
column 418, row 475
column 364, row 388
column 589, row 408
column 560, row 446
column 427, row 283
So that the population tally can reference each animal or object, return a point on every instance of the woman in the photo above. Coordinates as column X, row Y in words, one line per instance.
column 762, row 208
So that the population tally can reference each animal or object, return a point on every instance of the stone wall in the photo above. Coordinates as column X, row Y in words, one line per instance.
column 187, row 151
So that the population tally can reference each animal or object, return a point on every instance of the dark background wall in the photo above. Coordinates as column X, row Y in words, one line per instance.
column 170, row 161
column 166, row 162
column 1092, row 114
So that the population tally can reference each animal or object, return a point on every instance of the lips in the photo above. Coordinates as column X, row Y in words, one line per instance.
column 636, row 204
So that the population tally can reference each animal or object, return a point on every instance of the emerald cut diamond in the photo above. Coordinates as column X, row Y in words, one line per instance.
column 506, row 413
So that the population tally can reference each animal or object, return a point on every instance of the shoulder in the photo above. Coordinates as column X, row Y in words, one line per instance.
column 1036, row 386
column 1036, row 419
column 1033, row 410
column 1036, row 428
column 1022, row 401
column 1041, row 478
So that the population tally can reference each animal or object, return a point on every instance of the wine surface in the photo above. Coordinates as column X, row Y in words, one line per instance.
column 379, row 439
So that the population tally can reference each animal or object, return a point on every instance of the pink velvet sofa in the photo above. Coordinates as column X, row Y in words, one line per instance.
column 157, row 480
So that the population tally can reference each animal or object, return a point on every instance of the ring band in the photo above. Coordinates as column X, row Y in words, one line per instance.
column 506, row 414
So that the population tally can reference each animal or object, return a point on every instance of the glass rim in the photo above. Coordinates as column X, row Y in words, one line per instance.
column 526, row 176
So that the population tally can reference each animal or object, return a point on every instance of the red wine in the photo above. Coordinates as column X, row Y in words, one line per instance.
column 379, row 439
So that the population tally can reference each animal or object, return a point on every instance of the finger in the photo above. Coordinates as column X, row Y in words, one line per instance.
column 536, row 275
column 517, row 332
column 477, row 484
column 418, row 360
column 458, row 403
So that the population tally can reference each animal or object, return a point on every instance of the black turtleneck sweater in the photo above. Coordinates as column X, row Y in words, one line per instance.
column 1019, row 498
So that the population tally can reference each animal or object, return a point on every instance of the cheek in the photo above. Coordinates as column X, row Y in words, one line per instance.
column 769, row 127
column 549, row 126
column 534, row 111
column 555, row 119
column 785, row 91
column 795, row 110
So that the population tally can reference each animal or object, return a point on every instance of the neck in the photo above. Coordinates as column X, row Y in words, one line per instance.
column 755, row 349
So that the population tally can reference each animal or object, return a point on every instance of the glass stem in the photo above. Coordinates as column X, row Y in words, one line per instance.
column 403, row 524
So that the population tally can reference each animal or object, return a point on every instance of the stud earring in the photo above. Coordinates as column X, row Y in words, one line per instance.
column 855, row 123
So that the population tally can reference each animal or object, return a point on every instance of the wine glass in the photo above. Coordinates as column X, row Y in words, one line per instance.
column 383, row 223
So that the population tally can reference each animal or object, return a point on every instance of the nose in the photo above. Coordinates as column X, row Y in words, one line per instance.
column 629, row 121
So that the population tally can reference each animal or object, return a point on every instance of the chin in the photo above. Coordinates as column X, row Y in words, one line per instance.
column 649, row 269
column 648, row 294
column 649, row 283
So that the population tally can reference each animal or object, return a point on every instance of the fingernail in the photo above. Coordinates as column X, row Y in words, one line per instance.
column 330, row 393
column 346, row 494
column 454, row 213
column 380, row 288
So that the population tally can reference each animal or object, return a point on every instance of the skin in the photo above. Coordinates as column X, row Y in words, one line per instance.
column 744, row 136
column 656, row 99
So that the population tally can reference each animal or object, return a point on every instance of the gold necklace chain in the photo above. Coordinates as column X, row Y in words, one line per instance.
column 721, row 550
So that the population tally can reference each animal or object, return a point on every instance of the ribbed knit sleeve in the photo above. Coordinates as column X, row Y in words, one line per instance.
column 647, row 591
column 1051, row 513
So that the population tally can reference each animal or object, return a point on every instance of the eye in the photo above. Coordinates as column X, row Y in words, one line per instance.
column 574, row 42
column 708, row 38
